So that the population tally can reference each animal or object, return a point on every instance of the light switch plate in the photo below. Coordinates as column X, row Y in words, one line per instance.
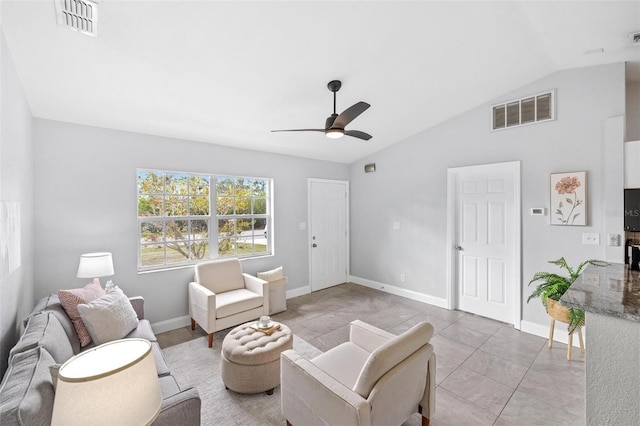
column 591, row 239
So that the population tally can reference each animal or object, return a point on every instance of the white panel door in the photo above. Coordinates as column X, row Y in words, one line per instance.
column 485, row 227
column 328, row 201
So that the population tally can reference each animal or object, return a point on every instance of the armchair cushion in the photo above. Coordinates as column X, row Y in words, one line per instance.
column 390, row 354
column 343, row 363
column 272, row 275
column 234, row 301
column 220, row 276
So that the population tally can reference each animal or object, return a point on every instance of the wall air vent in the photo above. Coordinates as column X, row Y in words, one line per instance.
column 78, row 15
column 528, row 110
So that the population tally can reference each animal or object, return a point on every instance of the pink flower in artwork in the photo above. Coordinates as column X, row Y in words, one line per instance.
column 567, row 185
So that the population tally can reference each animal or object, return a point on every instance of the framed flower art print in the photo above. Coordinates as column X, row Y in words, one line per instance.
column 569, row 199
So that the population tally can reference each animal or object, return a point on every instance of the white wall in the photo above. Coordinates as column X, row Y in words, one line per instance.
column 16, row 186
column 410, row 184
column 86, row 201
column 633, row 111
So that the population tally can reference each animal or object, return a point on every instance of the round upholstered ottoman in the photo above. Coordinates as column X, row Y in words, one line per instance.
column 251, row 358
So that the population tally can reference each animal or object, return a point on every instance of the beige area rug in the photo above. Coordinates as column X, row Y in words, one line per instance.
column 193, row 363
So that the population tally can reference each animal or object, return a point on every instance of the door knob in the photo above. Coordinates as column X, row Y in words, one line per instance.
column 314, row 245
column 459, row 248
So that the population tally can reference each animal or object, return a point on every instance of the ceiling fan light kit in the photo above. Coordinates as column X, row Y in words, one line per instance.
column 334, row 133
column 335, row 124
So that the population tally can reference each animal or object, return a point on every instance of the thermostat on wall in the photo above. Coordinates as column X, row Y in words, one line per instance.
column 537, row 211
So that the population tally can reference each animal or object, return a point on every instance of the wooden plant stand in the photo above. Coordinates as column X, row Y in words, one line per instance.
column 561, row 313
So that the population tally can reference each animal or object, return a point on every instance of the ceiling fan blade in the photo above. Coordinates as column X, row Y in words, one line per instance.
column 350, row 114
column 358, row 134
column 300, row 130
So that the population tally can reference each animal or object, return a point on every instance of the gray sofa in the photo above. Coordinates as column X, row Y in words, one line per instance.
column 27, row 392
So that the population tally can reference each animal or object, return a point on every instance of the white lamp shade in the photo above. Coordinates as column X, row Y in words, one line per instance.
column 112, row 384
column 95, row 265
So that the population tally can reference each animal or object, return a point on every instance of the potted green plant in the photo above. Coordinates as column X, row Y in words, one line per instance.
column 553, row 286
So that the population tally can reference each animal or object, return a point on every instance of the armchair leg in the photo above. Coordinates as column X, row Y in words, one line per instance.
column 288, row 424
column 193, row 324
column 210, row 340
column 425, row 421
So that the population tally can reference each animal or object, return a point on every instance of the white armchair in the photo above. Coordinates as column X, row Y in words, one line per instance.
column 223, row 296
column 376, row 378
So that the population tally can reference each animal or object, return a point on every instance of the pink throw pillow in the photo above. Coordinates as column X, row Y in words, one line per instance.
column 70, row 299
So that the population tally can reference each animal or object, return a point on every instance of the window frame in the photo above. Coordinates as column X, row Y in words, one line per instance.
column 211, row 219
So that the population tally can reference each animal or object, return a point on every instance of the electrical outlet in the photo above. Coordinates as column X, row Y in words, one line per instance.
column 591, row 239
column 396, row 225
column 402, row 278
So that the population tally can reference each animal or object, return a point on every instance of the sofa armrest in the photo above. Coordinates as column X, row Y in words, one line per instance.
column 182, row 408
column 367, row 336
column 138, row 305
column 311, row 396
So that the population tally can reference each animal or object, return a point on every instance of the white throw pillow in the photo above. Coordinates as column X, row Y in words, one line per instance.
column 109, row 317
column 272, row 275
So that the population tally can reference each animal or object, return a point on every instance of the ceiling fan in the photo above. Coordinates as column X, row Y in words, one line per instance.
column 335, row 124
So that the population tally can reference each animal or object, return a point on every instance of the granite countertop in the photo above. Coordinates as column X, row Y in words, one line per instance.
column 612, row 290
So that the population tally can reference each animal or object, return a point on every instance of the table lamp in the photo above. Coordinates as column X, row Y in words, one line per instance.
column 95, row 265
column 115, row 383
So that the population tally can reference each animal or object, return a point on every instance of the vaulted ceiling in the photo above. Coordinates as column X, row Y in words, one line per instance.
column 228, row 72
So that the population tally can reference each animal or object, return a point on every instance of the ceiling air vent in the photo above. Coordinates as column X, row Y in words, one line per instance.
column 78, row 15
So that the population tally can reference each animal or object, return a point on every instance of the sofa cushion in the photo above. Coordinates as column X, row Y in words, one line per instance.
column 109, row 317
column 43, row 329
column 26, row 392
column 70, row 300
column 234, row 301
column 52, row 303
column 143, row 331
column 161, row 364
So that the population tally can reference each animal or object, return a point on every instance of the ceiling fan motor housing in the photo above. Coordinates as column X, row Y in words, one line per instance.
column 330, row 121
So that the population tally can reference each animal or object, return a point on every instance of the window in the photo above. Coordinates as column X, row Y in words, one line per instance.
column 186, row 217
column 241, row 215
column 528, row 110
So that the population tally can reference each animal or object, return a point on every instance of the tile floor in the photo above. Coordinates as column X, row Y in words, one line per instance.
column 487, row 372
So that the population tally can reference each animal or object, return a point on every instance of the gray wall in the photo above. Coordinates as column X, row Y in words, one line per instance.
column 16, row 185
column 410, row 184
column 86, row 201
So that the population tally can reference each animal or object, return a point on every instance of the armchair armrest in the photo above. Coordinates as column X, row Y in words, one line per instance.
column 138, row 305
column 428, row 403
column 260, row 286
column 255, row 284
column 202, row 306
column 307, row 391
column 367, row 336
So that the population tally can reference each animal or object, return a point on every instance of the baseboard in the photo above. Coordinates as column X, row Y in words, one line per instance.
column 171, row 324
column 560, row 333
column 300, row 291
column 409, row 294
